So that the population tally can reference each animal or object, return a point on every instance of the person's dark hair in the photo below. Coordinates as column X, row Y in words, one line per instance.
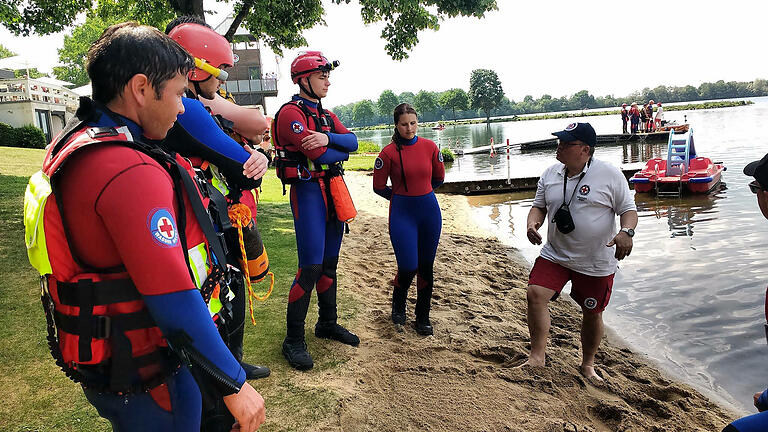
column 128, row 49
column 401, row 109
column 186, row 19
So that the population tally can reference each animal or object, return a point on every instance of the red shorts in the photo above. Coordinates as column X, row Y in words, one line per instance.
column 590, row 292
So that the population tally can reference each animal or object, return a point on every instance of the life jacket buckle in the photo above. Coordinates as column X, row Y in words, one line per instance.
column 102, row 327
column 101, row 132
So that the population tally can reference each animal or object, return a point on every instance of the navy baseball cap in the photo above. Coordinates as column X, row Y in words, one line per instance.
column 759, row 170
column 578, row 132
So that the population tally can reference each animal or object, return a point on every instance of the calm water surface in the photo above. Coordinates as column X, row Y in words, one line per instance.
column 691, row 294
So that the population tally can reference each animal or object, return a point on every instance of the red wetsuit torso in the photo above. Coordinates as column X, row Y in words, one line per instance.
column 112, row 193
column 421, row 164
column 292, row 126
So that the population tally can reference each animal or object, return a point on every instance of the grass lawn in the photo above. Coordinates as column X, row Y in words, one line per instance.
column 360, row 162
column 38, row 397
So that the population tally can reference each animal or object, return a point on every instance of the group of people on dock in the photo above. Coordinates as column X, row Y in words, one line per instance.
column 142, row 226
column 642, row 119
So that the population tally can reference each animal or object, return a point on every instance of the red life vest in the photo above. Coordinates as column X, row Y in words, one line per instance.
column 291, row 165
column 99, row 329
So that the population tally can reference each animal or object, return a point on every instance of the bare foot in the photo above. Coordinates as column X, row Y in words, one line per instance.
column 589, row 373
column 532, row 363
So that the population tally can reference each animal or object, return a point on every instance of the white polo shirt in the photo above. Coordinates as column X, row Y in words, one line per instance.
column 603, row 193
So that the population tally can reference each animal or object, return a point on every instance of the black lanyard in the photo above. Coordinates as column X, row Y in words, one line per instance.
column 565, row 182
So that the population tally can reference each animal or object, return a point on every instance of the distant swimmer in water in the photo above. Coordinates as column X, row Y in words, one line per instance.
column 757, row 422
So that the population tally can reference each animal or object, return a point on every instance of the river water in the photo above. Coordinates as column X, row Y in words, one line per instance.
column 691, row 295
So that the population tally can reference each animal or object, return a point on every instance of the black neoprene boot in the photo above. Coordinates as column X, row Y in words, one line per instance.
column 327, row 326
column 400, row 284
column 294, row 347
column 423, row 325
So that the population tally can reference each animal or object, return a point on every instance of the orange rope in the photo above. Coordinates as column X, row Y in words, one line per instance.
column 240, row 216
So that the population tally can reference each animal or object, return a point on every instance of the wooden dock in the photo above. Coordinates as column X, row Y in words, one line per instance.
column 492, row 186
column 609, row 139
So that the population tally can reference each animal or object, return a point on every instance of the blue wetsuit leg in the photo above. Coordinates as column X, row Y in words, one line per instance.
column 309, row 222
column 754, row 423
column 430, row 226
column 404, row 231
column 139, row 412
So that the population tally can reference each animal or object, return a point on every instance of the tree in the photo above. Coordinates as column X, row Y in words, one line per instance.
column 5, row 52
column 407, row 97
column 279, row 24
column 363, row 113
column 485, row 91
column 454, row 99
column 583, row 99
column 387, row 103
column 424, row 103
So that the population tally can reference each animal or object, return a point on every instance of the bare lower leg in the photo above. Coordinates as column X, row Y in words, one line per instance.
column 538, row 325
column 591, row 335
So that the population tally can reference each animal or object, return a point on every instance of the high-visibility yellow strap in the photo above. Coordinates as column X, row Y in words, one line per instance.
column 35, row 197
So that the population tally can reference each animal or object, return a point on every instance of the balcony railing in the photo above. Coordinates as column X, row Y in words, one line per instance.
column 17, row 90
column 264, row 85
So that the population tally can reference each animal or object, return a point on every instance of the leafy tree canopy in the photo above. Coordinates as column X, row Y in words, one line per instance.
column 279, row 23
column 387, row 103
column 485, row 90
column 454, row 99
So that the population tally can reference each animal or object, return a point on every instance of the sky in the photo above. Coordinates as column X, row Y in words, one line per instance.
column 554, row 47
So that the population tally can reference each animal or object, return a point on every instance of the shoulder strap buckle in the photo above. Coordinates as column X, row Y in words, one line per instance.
column 101, row 132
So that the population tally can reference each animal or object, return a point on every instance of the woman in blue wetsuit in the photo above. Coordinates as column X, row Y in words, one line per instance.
column 415, row 167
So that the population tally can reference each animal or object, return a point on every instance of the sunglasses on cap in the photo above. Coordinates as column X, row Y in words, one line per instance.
column 754, row 186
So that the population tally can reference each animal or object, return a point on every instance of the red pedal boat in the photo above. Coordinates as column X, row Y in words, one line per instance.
column 681, row 172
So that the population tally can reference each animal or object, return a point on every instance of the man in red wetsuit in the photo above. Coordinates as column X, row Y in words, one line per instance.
column 310, row 145
column 121, row 214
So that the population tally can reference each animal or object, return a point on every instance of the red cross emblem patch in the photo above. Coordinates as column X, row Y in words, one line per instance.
column 163, row 228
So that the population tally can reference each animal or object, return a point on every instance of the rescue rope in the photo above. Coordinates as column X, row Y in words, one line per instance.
column 240, row 216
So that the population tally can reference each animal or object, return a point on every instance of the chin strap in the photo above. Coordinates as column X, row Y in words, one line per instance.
column 309, row 91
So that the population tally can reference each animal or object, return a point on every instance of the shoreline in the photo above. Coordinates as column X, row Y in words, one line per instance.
column 465, row 376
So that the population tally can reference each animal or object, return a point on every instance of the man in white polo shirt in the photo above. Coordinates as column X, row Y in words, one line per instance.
column 580, row 197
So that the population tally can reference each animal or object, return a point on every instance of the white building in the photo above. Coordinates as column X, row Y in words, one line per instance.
column 37, row 102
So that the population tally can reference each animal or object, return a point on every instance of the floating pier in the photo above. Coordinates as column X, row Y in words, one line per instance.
column 501, row 185
column 609, row 139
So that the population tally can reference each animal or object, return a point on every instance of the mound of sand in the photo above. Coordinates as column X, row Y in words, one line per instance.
column 464, row 378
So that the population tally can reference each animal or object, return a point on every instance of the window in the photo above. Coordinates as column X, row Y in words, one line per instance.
column 43, row 121
column 254, row 72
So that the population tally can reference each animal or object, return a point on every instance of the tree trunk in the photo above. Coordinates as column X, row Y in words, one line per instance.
column 188, row 7
column 244, row 11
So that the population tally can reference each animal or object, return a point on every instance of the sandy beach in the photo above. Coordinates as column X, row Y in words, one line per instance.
column 464, row 378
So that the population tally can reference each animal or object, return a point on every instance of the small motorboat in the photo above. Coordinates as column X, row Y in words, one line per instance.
column 438, row 127
column 682, row 171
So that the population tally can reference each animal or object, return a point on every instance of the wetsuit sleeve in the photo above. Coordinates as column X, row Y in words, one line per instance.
column 438, row 169
column 762, row 401
column 380, row 174
column 342, row 139
column 292, row 128
column 344, row 142
column 197, row 134
column 135, row 206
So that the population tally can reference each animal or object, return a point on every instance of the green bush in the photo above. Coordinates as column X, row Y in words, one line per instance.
column 448, row 155
column 367, row 147
column 27, row 136
column 7, row 135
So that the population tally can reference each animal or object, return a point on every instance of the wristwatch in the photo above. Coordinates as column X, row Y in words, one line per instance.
column 630, row 232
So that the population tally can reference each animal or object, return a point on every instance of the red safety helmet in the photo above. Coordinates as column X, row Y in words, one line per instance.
column 205, row 44
column 308, row 62
column 651, row 101
column 623, row 105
